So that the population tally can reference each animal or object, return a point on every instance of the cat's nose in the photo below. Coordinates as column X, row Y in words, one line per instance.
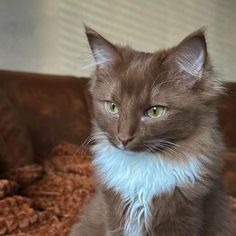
column 125, row 139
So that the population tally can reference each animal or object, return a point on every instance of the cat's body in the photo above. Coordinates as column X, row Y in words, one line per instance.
column 157, row 156
column 174, row 216
column 16, row 147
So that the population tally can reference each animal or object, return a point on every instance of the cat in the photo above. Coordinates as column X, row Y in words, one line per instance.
column 157, row 154
column 16, row 148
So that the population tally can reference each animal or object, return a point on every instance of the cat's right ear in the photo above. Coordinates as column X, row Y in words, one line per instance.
column 104, row 52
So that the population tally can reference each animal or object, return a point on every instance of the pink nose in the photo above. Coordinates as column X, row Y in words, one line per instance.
column 125, row 139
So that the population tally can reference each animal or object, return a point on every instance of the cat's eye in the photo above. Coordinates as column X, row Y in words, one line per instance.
column 111, row 107
column 155, row 112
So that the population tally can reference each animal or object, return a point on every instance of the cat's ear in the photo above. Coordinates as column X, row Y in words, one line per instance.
column 189, row 57
column 104, row 52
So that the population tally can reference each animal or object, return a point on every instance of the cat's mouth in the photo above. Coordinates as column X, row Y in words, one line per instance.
column 129, row 148
column 159, row 146
column 121, row 147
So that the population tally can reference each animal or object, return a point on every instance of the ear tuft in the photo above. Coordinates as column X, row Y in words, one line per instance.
column 190, row 54
column 105, row 53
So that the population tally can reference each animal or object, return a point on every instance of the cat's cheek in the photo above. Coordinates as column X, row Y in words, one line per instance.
column 153, row 123
column 107, row 123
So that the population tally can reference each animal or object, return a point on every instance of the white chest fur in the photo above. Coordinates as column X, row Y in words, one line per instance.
column 138, row 177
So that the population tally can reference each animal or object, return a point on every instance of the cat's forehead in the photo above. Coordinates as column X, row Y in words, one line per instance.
column 139, row 65
column 138, row 77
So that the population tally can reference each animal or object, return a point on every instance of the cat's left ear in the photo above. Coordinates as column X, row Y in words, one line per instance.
column 104, row 52
column 189, row 57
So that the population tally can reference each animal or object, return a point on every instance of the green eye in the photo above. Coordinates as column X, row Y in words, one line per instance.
column 111, row 107
column 155, row 112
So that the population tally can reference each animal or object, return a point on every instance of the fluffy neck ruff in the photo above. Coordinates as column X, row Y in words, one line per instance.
column 140, row 176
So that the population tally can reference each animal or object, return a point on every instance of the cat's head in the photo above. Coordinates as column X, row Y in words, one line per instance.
column 152, row 101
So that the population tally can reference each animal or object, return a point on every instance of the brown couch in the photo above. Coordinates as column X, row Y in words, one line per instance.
column 52, row 107
column 55, row 109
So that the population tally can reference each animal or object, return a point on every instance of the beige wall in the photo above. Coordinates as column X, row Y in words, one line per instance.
column 46, row 36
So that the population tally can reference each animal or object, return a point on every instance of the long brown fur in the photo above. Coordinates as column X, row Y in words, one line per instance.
column 137, row 80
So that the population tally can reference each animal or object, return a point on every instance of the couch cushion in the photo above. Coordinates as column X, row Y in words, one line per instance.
column 52, row 107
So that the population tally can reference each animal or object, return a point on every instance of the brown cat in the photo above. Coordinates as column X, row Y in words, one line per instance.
column 157, row 151
column 15, row 143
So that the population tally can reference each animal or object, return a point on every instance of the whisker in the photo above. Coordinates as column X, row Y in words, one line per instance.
column 167, row 142
column 166, row 146
column 93, row 138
